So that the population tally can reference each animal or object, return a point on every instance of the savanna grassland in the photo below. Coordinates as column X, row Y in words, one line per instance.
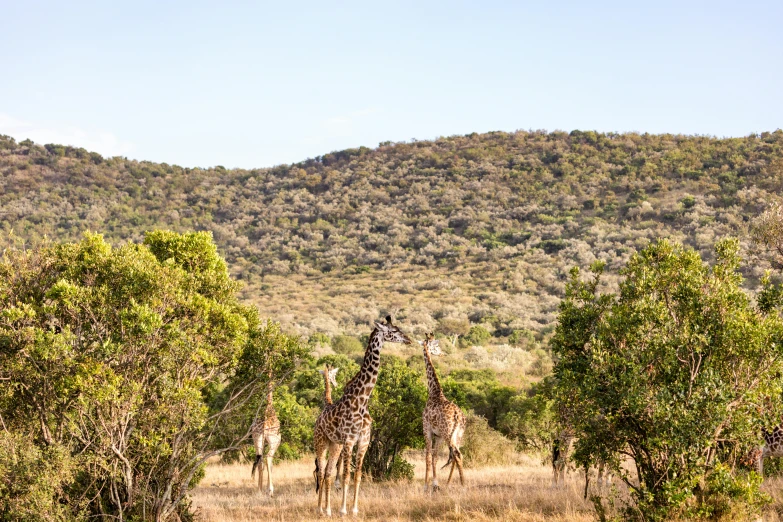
column 123, row 344
column 521, row 492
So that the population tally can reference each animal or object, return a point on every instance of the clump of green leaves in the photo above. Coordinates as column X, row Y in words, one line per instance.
column 137, row 363
column 678, row 373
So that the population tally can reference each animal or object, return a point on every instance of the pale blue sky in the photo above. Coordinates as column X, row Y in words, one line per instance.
column 258, row 84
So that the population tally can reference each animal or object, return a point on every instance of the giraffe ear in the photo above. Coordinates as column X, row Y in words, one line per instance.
column 321, row 372
column 421, row 342
column 333, row 372
column 382, row 326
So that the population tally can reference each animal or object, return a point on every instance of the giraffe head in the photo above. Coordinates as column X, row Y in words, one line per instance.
column 391, row 332
column 330, row 373
column 431, row 344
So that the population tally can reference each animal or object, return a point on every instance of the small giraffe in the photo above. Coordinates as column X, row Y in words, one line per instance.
column 561, row 447
column 441, row 419
column 343, row 423
column 772, row 447
column 266, row 432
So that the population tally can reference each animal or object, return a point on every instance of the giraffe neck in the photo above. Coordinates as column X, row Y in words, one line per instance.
column 328, row 387
column 362, row 384
column 270, row 408
column 432, row 378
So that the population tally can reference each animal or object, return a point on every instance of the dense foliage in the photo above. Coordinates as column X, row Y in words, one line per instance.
column 517, row 209
column 124, row 370
column 679, row 373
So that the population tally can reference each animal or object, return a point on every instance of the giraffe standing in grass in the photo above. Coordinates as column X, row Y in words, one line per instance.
column 342, row 424
column 330, row 379
column 442, row 420
column 561, row 448
column 266, row 432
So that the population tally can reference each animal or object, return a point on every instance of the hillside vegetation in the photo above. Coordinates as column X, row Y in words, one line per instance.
column 448, row 234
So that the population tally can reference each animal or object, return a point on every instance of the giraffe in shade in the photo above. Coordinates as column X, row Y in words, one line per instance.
column 772, row 447
column 561, row 448
column 266, row 432
column 442, row 420
column 342, row 424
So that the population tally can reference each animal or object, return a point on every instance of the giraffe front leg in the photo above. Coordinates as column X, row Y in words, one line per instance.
column 347, row 452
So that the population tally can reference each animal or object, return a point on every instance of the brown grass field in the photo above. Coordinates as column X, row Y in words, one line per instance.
column 518, row 493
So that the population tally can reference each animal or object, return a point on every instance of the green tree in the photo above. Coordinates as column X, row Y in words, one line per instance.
column 395, row 406
column 477, row 336
column 137, row 361
column 346, row 344
column 678, row 373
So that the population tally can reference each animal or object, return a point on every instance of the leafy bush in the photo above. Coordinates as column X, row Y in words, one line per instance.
column 477, row 336
column 521, row 338
column 395, row 406
column 483, row 446
column 148, row 342
column 346, row 344
column 670, row 371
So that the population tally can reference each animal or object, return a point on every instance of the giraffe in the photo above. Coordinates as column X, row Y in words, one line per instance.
column 266, row 431
column 561, row 447
column 772, row 447
column 344, row 422
column 330, row 379
column 329, row 373
column 441, row 419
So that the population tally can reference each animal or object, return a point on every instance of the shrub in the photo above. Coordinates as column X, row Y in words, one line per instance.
column 477, row 336
column 483, row 446
column 395, row 406
column 668, row 371
column 346, row 344
column 521, row 338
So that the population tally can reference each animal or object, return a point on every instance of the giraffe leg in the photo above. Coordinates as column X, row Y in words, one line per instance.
column 337, row 481
column 435, row 449
column 334, row 452
column 347, row 452
column 319, row 473
column 427, row 457
column 458, row 460
column 357, row 476
column 273, row 444
column 259, row 443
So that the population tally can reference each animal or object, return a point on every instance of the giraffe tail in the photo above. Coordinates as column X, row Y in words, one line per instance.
column 255, row 464
column 453, row 449
column 315, row 474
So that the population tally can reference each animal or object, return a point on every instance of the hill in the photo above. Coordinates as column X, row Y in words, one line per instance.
column 459, row 231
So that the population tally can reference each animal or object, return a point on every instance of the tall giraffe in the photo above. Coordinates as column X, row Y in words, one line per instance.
column 442, row 420
column 342, row 424
column 266, row 431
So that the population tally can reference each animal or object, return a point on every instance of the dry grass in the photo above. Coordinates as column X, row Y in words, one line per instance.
column 517, row 493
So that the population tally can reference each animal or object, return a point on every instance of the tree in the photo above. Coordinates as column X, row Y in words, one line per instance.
column 477, row 336
column 678, row 373
column 395, row 406
column 138, row 362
